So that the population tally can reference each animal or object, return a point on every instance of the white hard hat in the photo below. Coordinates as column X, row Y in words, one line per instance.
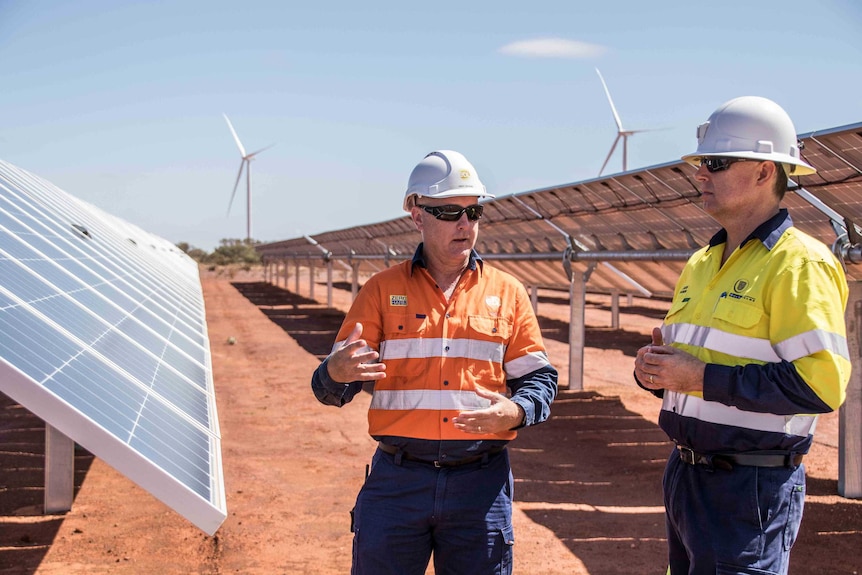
column 444, row 174
column 751, row 127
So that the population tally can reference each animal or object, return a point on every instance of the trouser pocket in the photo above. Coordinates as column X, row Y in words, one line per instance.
column 507, row 535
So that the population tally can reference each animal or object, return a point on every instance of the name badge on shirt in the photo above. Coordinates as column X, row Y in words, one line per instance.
column 398, row 300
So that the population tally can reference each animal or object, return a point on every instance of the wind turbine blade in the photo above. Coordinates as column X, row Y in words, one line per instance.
column 238, row 176
column 253, row 154
column 611, row 153
column 611, row 102
column 235, row 137
column 630, row 132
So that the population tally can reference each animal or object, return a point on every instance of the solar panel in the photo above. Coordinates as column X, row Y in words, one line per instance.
column 103, row 336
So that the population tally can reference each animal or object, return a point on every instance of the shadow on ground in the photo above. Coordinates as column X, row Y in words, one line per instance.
column 26, row 533
column 592, row 473
column 312, row 325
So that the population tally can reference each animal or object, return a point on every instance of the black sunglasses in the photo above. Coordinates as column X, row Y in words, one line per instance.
column 715, row 164
column 452, row 212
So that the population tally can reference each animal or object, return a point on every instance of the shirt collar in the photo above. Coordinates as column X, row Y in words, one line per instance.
column 473, row 263
column 768, row 232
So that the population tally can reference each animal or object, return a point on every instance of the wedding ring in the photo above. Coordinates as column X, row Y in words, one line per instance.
column 650, row 380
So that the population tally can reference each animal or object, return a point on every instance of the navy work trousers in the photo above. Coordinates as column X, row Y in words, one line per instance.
column 408, row 510
column 738, row 522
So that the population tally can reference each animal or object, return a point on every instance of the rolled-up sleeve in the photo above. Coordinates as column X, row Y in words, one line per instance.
column 535, row 392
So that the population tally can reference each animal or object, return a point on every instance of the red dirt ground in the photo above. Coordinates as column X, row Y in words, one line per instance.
column 588, row 496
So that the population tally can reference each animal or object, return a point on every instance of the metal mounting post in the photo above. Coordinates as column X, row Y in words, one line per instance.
column 59, row 471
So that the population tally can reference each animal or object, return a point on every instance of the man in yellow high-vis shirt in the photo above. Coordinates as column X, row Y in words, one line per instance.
column 752, row 349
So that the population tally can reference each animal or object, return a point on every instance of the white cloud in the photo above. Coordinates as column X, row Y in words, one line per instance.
column 552, row 48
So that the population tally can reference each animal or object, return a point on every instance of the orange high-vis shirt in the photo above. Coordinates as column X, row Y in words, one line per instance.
column 437, row 352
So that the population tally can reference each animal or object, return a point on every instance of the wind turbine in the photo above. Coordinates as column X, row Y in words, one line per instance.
column 621, row 133
column 244, row 164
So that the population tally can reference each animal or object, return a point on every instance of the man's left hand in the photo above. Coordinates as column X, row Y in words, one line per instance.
column 660, row 366
column 502, row 415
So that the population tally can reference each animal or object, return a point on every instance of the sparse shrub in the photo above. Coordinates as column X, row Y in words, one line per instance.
column 231, row 251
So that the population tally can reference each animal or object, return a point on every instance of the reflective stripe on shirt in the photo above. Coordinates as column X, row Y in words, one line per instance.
column 722, row 341
column 521, row 366
column 415, row 348
column 811, row 342
column 698, row 408
column 791, row 349
column 428, row 399
column 465, row 348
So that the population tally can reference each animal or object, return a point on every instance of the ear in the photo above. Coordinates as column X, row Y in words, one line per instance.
column 416, row 216
column 767, row 172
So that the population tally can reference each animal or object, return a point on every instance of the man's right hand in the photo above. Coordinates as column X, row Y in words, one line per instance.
column 354, row 360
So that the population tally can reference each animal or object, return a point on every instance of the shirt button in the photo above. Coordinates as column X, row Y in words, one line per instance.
column 445, row 383
column 446, row 348
column 445, row 420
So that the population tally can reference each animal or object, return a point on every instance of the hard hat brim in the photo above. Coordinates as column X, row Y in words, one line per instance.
column 799, row 168
column 453, row 193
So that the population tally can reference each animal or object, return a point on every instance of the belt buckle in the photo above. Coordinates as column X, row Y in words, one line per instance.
column 437, row 464
column 686, row 454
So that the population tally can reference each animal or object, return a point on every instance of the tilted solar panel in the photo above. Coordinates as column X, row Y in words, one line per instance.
column 648, row 217
column 103, row 336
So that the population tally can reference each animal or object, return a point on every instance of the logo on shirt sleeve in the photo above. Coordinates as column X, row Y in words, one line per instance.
column 398, row 300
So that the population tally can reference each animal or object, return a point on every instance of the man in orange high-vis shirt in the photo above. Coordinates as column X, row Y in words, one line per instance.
column 458, row 364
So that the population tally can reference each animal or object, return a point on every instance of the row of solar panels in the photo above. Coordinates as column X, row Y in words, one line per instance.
column 103, row 336
column 641, row 225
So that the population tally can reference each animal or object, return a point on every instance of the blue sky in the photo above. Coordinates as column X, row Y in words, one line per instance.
column 121, row 103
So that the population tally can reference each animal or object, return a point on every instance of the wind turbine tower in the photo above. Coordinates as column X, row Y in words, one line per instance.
column 621, row 132
column 245, row 163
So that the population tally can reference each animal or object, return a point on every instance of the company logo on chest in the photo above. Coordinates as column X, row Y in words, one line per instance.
column 741, row 290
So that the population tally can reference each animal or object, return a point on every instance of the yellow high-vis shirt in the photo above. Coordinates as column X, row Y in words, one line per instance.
column 770, row 326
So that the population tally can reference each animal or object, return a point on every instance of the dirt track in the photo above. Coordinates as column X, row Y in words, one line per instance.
column 587, row 482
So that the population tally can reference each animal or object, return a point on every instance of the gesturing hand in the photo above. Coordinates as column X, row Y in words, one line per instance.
column 354, row 360
column 502, row 415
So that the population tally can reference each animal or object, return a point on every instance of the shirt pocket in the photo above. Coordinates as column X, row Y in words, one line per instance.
column 744, row 317
column 405, row 347
column 675, row 308
column 488, row 338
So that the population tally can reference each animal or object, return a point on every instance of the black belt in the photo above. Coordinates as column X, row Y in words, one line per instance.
column 728, row 460
column 391, row 450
